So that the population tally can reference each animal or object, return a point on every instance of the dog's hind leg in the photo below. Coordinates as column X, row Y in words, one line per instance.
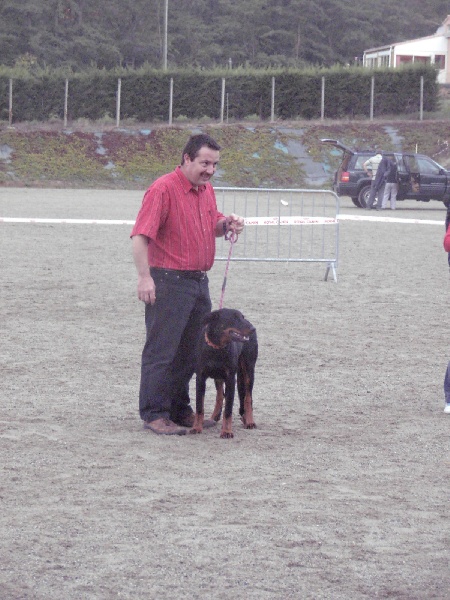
column 247, row 416
column 200, row 390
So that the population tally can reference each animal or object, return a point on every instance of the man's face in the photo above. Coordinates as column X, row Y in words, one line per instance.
column 200, row 170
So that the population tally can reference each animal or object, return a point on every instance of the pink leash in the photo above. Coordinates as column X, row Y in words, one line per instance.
column 232, row 237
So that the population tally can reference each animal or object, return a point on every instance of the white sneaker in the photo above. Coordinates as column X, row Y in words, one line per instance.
column 447, row 409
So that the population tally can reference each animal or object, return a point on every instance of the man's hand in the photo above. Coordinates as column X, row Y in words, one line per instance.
column 146, row 289
column 235, row 223
column 146, row 285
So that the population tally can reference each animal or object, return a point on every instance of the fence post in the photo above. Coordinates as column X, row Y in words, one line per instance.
column 421, row 98
column 222, row 100
column 272, row 106
column 10, row 102
column 119, row 95
column 372, row 94
column 66, row 101
column 322, row 103
column 170, row 101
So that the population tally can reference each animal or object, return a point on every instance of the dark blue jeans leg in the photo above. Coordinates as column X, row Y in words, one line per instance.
column 371, row 195
column 380, row 194
column 184, row 363
column 447, row 384
column 176, row 299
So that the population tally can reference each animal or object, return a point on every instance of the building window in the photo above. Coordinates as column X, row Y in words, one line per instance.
column 401, row 59
column 384, row 61
column 439, row 61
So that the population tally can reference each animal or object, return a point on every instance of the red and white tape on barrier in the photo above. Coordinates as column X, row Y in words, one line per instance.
column 290, row 221
column 248, row 221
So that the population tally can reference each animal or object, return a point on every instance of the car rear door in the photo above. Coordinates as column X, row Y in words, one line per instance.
column 345, row 154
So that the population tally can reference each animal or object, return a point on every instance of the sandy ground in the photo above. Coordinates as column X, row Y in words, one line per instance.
column 340, row 493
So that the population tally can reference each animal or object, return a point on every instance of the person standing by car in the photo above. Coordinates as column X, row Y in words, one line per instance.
column 380, row 182
column 371, row 167
column 391, row 185
column 173, row 248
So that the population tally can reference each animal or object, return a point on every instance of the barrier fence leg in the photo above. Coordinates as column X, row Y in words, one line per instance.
column 331, row 267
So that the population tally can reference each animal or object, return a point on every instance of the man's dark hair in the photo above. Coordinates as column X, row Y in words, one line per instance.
column 195, row 142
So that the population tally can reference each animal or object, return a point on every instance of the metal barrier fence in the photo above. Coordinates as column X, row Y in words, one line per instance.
column 284, row 225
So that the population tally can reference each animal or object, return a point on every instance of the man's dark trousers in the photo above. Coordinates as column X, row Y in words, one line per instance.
column 173, row 326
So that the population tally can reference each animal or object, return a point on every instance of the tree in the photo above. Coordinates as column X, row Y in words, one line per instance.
column 206, row 33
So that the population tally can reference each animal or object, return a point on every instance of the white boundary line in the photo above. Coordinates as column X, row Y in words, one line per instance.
column 248, row 221
column 389, row 220
column 66, row 221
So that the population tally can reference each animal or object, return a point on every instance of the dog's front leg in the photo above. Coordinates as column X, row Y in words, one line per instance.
column 230, row 385
column 217, row 412
column 200, row 390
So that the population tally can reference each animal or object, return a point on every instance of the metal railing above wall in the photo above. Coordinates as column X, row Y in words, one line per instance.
column 283, row 225
column 224, row 104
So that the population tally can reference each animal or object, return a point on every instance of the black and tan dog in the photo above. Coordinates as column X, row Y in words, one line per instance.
column 227, row 352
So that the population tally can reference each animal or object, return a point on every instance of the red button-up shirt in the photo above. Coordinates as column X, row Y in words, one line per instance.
column 179, row 222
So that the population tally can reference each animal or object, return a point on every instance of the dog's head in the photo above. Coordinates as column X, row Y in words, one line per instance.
column 227, row 325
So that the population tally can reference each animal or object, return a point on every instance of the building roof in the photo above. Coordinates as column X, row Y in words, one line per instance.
column 439, row 33
column 387, row 46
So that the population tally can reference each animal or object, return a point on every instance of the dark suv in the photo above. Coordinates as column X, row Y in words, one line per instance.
column 419, row 177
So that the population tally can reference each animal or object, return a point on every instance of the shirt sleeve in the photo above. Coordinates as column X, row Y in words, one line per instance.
column 152, row 213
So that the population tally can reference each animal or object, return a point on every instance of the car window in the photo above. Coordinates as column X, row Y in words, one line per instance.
column 411, row 163
column 360, row 160
column 401, row 165
column 345, row 161
column 427, row 167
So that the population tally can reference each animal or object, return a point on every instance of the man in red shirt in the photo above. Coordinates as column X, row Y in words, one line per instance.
column 173, row 248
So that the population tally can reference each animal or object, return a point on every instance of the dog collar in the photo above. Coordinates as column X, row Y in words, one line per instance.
column 208, row 341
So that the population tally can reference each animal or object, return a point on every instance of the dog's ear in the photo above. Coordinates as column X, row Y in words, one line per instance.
column 210, row 317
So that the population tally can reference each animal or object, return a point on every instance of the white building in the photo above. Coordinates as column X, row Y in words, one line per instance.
column 434, row 49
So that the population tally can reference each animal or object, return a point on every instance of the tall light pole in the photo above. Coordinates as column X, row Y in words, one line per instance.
column 166, row 18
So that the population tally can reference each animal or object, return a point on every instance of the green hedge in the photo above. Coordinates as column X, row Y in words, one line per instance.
column 197, row 94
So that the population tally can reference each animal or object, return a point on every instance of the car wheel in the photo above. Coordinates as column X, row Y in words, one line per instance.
column 356, row 202
column 363, row 196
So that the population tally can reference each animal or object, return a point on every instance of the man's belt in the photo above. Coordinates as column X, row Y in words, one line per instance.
column 196, row 275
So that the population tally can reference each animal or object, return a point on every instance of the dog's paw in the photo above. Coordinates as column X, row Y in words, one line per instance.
column 248, row 424
column 226, row 435
column 196, row 430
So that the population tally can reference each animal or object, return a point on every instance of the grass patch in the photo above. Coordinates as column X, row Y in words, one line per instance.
column 253, row 155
